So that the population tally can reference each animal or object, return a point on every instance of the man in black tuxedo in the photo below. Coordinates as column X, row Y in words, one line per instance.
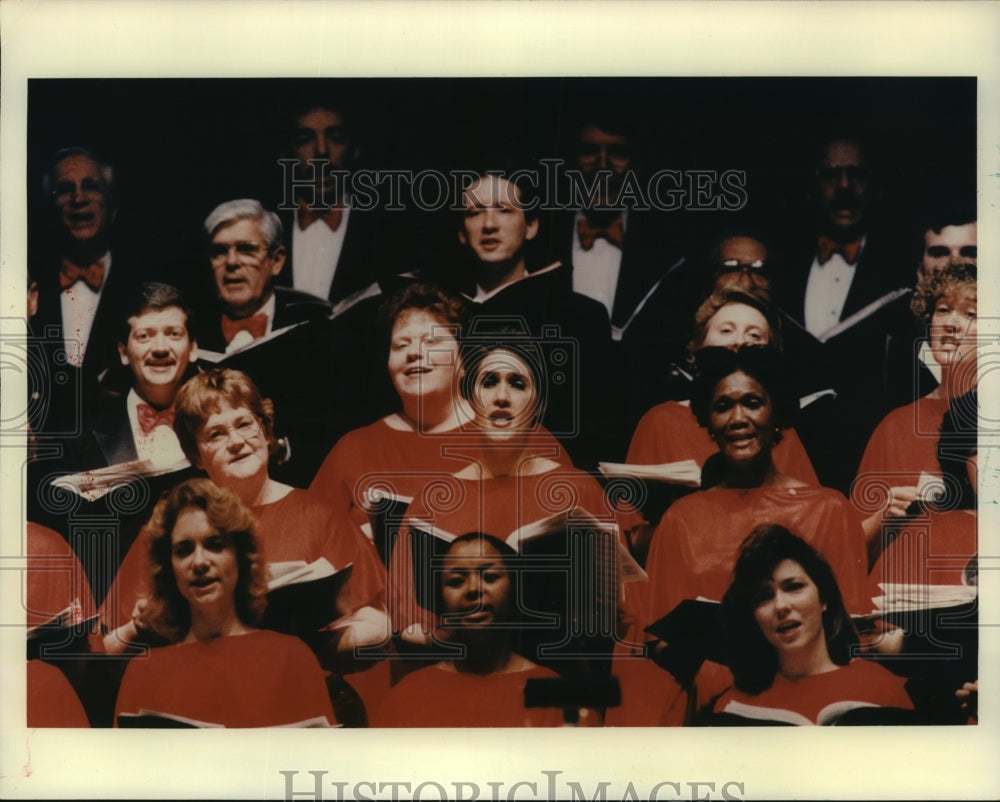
column 318, row 371
column 498, row 222
column 625, row 258
column 336, row 250
column 848, row 260
column 81, row 288
column 617, row 253
column 247, row 254
column 844, row 289
column 157, row 345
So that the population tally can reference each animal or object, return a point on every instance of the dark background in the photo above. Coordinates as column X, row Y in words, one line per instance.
column 181, row 146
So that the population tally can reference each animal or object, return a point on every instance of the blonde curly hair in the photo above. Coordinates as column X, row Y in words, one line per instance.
column 165, row 611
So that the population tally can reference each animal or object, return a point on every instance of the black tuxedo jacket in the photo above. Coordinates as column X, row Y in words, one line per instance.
column 857, row 363
column 574, row 337
column 646, row 353
column 111, row 435
column 881, row 268
column 290, row 307
column 72, row 393
column 649, row 249
column 367, row 256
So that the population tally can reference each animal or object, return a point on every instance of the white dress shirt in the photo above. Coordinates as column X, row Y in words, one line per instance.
column 826, row 292
column 161, row 445
column 595, row 272
column 316, row 253
column 79, row 308
column 244, row 337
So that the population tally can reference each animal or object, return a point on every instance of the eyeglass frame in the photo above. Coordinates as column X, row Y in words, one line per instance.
column 227, row 432
column 216, row 254
column 756, row 268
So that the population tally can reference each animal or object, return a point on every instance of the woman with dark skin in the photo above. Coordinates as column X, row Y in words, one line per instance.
column 481, row 684
column 511, row 478
column 743, row 399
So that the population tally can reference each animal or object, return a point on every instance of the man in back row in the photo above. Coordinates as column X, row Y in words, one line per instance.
column 286, row 340
column 80, row 292
column 335, row 250
column 572, row 330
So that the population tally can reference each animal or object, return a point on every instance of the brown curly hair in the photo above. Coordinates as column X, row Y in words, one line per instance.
column 933, row 285
column 200, row 397
column 421, row 295
column 166, row 612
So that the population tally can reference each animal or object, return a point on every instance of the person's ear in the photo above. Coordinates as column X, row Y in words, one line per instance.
column 122, row 354
column 278, row 256
column 531, row 231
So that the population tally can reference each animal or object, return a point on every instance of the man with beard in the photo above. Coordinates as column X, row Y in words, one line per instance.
column 157, row 345
column 846, row 286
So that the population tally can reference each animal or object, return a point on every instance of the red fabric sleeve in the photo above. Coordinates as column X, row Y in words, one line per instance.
column 55, row 577
column 52, row 702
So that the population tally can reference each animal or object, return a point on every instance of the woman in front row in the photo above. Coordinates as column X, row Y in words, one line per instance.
column 226, row 429
column 208, row 589
column 482, row 685
column 789, row 639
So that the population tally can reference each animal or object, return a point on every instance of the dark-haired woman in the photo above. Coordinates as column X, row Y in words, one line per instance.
column 669, row 432
column 742, row 398
column 208, row 588
column 511, row 477
column 483, row 684
column 789, row 638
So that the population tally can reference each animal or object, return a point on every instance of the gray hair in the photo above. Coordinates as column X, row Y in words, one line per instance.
column 246, row 209
column 107, row 170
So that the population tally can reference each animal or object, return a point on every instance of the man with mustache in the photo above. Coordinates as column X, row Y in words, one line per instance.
column 625, row 256
column 845, row 286
column 838, row 281
column 157, row 345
